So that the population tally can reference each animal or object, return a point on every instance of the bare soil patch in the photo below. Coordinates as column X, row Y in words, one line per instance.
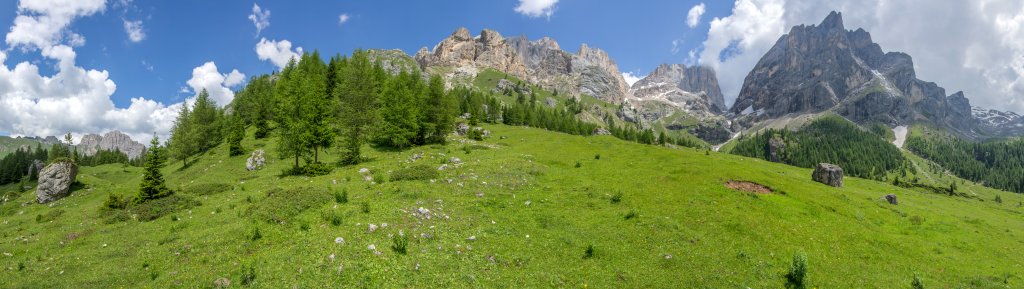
column 746, row 186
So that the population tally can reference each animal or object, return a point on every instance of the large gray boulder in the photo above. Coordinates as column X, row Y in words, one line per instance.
column 255, row 161
column 891, row 199
column 828, row 174
column 776, row 149
column 55, row 181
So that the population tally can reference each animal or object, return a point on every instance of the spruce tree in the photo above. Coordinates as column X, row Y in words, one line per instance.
column 181, row 144
column 357, row 84
column 206, row 122
column 290, row 125
column 438, row 118
column 153, row 186
column 400, row 111
column 235, row 134
column 318, row 105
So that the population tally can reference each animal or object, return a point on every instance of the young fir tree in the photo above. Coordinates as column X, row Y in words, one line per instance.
column 438, row 117
column 206, row 122
column 400, row 110
column 317, row 104
column 235, row 134
column 357, row 84
column 290, row 125
column 181, row 144
column 153, row 186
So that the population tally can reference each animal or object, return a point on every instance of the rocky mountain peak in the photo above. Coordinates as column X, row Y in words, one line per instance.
column 834, row 21
column 113, row 140
column 694, row 88
column 462, row 34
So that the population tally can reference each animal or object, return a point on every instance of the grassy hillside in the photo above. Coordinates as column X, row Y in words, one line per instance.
column 520, row 211
column 10, row 144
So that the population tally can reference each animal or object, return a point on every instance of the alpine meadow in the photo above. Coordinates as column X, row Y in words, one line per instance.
column 734, row 144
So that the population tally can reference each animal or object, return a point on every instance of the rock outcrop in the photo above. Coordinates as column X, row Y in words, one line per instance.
column 114, row 140
column 694, row 89
column 55, row 181
column 827, row 67
column 828, row 174
column 589, row 71
column 892, row 199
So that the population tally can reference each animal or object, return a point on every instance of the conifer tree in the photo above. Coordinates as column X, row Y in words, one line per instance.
column 182, row 144
column 153, row 186
column 318, row 105
column 438, row 117
column 357, row 83
column 290, row 125
column 400, row 103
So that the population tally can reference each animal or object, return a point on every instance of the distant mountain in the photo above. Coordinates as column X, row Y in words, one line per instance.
column 542, row 62
column 114, row 140
column 12, row 144
column 826, row 67
column 695, row 89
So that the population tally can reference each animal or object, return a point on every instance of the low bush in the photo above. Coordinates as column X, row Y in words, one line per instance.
column 632, row 214
column 413, row 173
column 116, row 202
column 475, row 134
column 589, row 252
column 332, row 217
column 796, row 278
column 202, row 189
column 154, row 209
column 280, row 205
column 341, row 197
column 616, row 198
column 49, row 216
column 317, row 169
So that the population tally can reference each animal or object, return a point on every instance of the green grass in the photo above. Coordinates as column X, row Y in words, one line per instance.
column 519, row 215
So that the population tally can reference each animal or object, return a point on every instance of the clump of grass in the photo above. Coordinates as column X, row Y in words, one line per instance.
column 115, row 202
column 248, row 275
column 341, row 197
column 579, row 164
column 255, row 234
column 154, row 209
column 332, row 217
column 632, row 214
column 21, row 266
column 597, row 156
column 202, row 189
column 304, row 226
column 589, row 252
column 999, row 199
column 365, row 208
column 796, row 278
column 413, row 173
column 916, row 220
column 916, row 283
column 281, row 205
column 400, row 243
column 616, row 198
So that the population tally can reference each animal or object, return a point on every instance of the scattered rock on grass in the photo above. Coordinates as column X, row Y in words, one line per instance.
column 891, row 199
column 828, row 174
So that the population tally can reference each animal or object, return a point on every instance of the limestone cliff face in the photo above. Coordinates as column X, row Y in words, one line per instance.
column 694, row 89
column 114, row 140
column 543, row 62
column 827, row 67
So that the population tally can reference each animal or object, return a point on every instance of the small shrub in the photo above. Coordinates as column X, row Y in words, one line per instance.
column 365, row 207
column 916, row 283
column 255, row 234
column 417, row 172
column 317, row 169
column 21, row 266
column 341, row 197
column 248, row 275
column 999, row 199
column 304, row 226
column 475, row 134
column 589, row 252
column 154, row 209
column 203, row 189
column 466, row 149
column 597, row 156
column 115, row 202
column 632, row 214
column 400, row 243
column 616, row 198
column 916, row 220
column 797, row 272
column 579, row 164
column 249, row 199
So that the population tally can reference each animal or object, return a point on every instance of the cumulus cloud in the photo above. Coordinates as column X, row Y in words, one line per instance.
column 693, row 17
column 219, row 85
column 277, row 52
column 631, row 78
column 134, row 30
column 44, row 23
column 982, row 53
column 260, row 18
column 343, row 18
column 536, row 8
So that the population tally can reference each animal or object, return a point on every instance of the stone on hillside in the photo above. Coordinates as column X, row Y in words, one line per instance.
column 891, row 199
column 828, row 174
column 776, row 148
column 255, row 161
column 550, row 102
column 55, row 181
column 455, row 161
column 601, row 131
column 462, row 129
column 364, row 171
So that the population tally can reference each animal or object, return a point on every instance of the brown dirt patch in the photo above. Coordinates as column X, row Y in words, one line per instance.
column 746, row 186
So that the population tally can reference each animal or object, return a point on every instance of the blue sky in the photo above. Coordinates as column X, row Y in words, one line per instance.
column 91, row 66
column 181, row 35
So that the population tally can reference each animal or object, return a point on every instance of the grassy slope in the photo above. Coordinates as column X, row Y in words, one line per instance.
column 10, row 144
column 716, row 237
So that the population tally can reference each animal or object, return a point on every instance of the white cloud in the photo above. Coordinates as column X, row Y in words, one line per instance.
column 675, row 45
column 536, row 8
column 631, row 78
column 43, row 23
column 219, row 85
column 982, row 53
column 134, row 30
column 343, row 18
column 277, row 52
column 260, row 18
column 693, row 17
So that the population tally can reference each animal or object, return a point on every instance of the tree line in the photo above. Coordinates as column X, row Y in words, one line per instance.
column 996, row 164
column 829, row 139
